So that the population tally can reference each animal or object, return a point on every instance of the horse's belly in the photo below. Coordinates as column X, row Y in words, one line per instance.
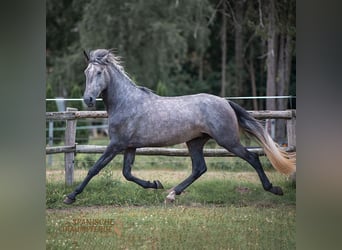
column 172, row 139
column 165, row 135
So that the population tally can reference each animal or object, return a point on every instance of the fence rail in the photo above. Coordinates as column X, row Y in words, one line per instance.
column 72, row 115
column 95, row 149
column 71, row 148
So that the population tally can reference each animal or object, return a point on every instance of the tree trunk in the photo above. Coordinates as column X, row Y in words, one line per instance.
column 252, row 77
column 224, row 48
column 239, row 48
column 271, row 67
column 284, row 74
column 262, row 66
column 284, row 69
column 271, row 58
column 280, row 124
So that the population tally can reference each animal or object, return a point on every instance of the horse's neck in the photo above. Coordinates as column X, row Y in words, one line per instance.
column 120, row 92
column 104, row 96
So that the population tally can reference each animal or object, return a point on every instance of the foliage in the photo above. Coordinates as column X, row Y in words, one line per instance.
column 152, row 35
column 173, row 43
column 161, row 89
column 65, row 63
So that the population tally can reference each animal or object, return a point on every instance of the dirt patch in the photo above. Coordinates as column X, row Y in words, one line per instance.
column 243, row 190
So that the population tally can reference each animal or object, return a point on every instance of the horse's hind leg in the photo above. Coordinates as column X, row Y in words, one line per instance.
column 127, row 171
column 253, row 159
column 199, row 167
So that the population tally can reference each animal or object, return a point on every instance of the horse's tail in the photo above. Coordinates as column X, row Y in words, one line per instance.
column 281, row 160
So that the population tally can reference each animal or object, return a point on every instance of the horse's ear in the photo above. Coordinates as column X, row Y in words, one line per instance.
column 86, row 56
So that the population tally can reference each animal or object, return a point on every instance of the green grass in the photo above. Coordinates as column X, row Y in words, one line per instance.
column 171, row 227
column 110, row 188
column 221, row 210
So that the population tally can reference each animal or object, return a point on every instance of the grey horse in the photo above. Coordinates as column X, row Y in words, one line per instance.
column 139, row 118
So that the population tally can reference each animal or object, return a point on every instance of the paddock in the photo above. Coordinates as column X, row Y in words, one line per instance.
column 223, row 210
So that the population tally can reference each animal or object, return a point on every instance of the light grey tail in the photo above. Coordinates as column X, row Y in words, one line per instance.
column 281, row 160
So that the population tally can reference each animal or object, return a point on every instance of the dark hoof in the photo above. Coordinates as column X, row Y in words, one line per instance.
column 158, row 184
column 276, row 190
column 68, row 200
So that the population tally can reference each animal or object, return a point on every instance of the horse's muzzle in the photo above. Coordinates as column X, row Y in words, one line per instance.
column 89, row 101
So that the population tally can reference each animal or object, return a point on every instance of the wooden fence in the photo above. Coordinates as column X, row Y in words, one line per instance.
column 71, row 148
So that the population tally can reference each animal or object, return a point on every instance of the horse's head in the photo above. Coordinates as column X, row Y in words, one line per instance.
column 97, row 76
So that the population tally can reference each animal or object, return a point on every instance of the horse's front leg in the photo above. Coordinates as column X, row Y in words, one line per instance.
column 127, row 171
column 111, row 151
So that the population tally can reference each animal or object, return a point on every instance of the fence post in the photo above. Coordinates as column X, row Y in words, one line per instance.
column 69, row 157
column 291, row 130
column 291, row 139
column 50, row 141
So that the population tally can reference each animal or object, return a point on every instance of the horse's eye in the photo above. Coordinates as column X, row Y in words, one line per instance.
column 98, row 73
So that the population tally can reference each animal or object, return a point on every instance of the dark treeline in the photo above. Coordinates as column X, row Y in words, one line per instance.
column 227, row 48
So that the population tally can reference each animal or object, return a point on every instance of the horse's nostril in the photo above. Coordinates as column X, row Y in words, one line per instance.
column 89, row 101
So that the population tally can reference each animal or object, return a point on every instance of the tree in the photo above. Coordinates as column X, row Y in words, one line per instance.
column 239, row 44
column 217, row 46
column 152, row 36
column 224, row 48
column 279, row 56
column 64, row 54
column 271, row 56
column 252, row 77
column 286, row 42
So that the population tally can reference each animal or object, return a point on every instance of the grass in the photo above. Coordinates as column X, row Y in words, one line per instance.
column 221, row 210
column 214, row 187
column 175, row 227
column 225, row 209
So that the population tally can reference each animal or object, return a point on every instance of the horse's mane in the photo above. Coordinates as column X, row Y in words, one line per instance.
column 107, row 57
